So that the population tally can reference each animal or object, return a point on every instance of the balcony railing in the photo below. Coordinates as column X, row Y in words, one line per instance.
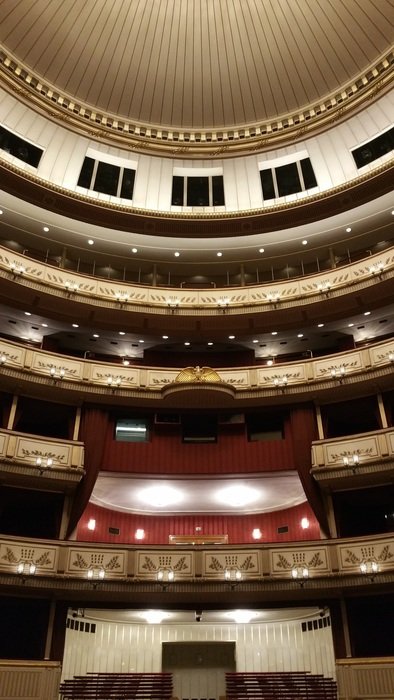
column 317, row 375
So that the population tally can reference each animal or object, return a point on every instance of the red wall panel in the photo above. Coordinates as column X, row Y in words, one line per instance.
column 158, row 528
column 166, row 454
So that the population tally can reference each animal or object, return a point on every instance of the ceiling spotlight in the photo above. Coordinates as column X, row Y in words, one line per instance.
column 1, row 212
column 134, row 250
column 367, row 313
column 141, row 341
column 90, row 241
column 165, row 337
column 300, row 335
column 231, row 337
column 261, row 250
column 320, row 325
column 210, row 343
column 348, row 229
column 96, row 335
column 46, row 229
column 350, row 325
column 27, row 313
column 219, row 254
column 186, row 342
column 304, row 242
column 75, row 325
column 274, row 333
column 177, row 254
column 122, row 333
column 255, row 341
column 44, row 325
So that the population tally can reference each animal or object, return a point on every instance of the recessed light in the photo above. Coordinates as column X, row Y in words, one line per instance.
column 367, row 313
column 300, row 335
column 274, row 333
column 1, row 212
column 304, row 242
column 96, row 335
column 210, row 343
column 141, row 341
column 348, row 229
column 46, row 229
column 122, row 333
column 219, row 254
column 27, row 313
column 255, row 341
column 320, row 325
column 165, row 337
column 350, row 325
column 231, row 337
column 261, row 250
column 177, row 254
column 186, row 342
column 75, row 325
column 134, row 250
column 44, row 325
column 90, row 241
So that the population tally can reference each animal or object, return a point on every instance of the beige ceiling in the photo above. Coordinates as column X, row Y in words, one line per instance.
column 197, row 64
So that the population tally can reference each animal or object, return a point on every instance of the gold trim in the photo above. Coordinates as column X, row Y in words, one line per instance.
column 252, row 138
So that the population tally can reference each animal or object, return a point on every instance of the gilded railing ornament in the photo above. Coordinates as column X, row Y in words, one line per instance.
column 197, row 374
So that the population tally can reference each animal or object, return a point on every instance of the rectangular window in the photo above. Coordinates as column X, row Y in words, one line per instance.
column 263, row 428
column 267, row 183
column 177, row 191
column 107, row 178
column 197, row 192
column 308, row 174
column 288, row 179
column 19, row 148
column 132, row 430
column 374, row 149
column 127, row 188
column 199, row 429
column 85, row 176
column 217, row 191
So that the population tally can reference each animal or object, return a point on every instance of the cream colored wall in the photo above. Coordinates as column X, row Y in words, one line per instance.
column 123, row 647
column 330, row 153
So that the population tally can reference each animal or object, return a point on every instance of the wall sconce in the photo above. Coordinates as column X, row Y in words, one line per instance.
column 300, row 572
column 173, row 303
column 376, row 268
column 338, row 373
column 256, row 533
column 273, row 297
column 139, row 534
column 96, row 574
column 369, row 567
column 122, row 297
column 223, row 303
column 281, row 382
column 44, row 463
column 304, row 523
column 26, row 568
column 71, row 286
column 114, row 381
column 91, row 524
column 57, row 373
column 17, row 269
column 3, row 359
column 391, row 356
column 165, row 576
column 351, row 460
column 324, row 287
column 233, row 575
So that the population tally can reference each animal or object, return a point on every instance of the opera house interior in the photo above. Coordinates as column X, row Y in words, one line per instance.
column 196, row 349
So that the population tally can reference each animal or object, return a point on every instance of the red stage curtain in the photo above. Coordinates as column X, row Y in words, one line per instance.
column 304, row 431
column 93, row 432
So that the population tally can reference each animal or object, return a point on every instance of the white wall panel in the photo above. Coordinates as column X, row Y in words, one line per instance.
column 329, row 153
column 137, row 648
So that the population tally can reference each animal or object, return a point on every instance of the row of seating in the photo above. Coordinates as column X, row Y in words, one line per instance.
column 118, row 686
column 289, row 685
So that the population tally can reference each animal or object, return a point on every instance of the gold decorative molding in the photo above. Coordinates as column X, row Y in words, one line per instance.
column 192, row 375
column 253, row 138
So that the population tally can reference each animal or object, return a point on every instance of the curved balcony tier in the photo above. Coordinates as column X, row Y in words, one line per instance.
column 346, row 374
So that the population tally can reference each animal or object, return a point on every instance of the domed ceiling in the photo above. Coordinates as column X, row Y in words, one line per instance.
column 198, row 64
